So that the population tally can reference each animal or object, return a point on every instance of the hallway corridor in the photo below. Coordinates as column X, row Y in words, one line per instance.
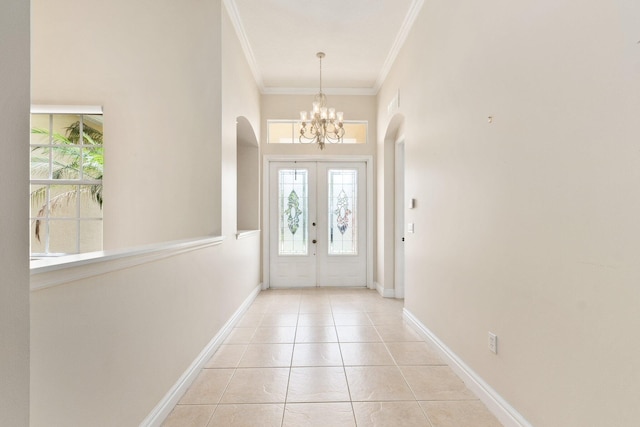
column 327, row 357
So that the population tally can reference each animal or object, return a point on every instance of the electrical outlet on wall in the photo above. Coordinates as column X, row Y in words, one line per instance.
column 493, row 342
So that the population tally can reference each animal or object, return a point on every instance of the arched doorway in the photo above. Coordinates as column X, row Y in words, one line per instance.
column 394, row 207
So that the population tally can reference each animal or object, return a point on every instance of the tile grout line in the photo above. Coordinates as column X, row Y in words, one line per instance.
column 286, row 393
column 226, row 386
column 369, row 311
column 344, row 368
column 405, row 380
column 222, row 394
column 394, row 364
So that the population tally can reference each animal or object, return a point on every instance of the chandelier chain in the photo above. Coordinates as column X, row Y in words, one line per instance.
column 320, row 55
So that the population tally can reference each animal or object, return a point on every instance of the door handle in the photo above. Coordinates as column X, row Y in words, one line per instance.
column 314, row 241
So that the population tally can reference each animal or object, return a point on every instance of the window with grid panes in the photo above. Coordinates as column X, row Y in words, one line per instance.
column 66, row 163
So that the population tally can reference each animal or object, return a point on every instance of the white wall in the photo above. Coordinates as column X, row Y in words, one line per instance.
column 528, row 226
column 107, row 348
column 240, row 98
column 14, row 211
column 153, row 69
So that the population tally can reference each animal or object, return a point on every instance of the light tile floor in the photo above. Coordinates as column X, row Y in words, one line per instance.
column 327, row 357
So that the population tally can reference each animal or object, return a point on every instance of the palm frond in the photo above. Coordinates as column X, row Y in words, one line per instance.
column 39, row 196
column 39, row 166
column 96, row 193
column 93, row 162
column 65, row 160
column 64, row 199
column 54, row 203
column 90, row 135
column 39, row 131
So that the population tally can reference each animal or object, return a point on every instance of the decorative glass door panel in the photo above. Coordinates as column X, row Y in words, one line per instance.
column 292, row 253
column 293, row 203
column 342, row 257
column 317, row 226
column 342, row 188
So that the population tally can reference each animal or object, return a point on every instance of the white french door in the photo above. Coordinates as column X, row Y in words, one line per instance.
column 317, row 214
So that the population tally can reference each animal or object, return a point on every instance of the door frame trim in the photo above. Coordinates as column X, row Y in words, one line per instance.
column 400, row 198
column 266, row 234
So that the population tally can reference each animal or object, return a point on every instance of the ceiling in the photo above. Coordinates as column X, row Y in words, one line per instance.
column 361, row 39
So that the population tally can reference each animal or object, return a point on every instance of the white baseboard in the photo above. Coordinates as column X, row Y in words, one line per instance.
column 499, row 407
column 171, row 399
column 385, row 292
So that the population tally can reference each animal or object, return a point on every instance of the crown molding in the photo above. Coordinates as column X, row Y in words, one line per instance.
column 365, row 91
column 412, row 14
column 234, row 15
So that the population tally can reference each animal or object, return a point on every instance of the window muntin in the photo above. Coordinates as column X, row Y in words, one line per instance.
column 66, row 180
column 288, row 132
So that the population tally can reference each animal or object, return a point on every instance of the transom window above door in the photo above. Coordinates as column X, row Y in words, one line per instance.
column 288, row 132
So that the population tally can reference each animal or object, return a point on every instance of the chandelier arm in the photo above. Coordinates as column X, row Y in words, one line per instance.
column 324, row 124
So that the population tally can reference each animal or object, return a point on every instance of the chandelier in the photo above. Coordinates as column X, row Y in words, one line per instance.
column 321, row 124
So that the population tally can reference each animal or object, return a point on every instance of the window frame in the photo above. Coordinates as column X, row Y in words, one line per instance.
column 295, row 138
column 78, row 218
